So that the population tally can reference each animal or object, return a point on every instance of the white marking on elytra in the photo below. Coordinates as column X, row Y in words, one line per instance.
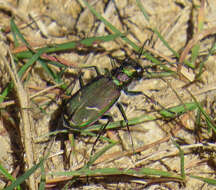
column 92, row 108
column 79, row 96
column 84, row 120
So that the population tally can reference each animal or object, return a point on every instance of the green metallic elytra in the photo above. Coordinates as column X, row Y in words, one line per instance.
column 92, row 101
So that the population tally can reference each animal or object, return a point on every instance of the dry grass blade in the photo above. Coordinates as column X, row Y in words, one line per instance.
column 26, row 123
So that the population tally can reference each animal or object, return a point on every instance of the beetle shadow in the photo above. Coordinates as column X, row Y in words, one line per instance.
column 55, row 123
column 55, row 126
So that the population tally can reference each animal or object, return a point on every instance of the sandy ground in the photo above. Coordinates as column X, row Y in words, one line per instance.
column 55, row 22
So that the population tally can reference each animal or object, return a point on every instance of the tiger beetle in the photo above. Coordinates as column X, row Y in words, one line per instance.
column 93, row 100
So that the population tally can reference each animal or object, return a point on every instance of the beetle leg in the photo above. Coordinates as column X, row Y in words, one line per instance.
column 120, row 107
column 102, row 129
column 97, row 70
column 94, row 67
column 113, row 62
column 81, row 81
column 133, row 93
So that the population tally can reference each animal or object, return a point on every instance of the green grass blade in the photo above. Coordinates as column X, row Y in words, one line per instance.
column 168, row 113
column 5, row 92
column 118, row 171
column 201, row 65
column 208, row 119
column 206, row 180
column 116, row 31
column 57, row 64
column 81, row 131
column 181, row 154
column 159, row 74
column 22, row 70
column 178, row 110
column 145, row 14
column 108, row 24
column 156, row 31
column 68, row 45
column 33, row 59
column 43, row 178
column 13, row 31
column 194, row 53
column 25, row 176
column 122, row 123
column 165, row 43
column 16, row 33
column 50, row 72
column 7, row 175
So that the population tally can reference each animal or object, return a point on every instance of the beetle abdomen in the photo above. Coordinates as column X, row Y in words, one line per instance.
column 91, row 102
